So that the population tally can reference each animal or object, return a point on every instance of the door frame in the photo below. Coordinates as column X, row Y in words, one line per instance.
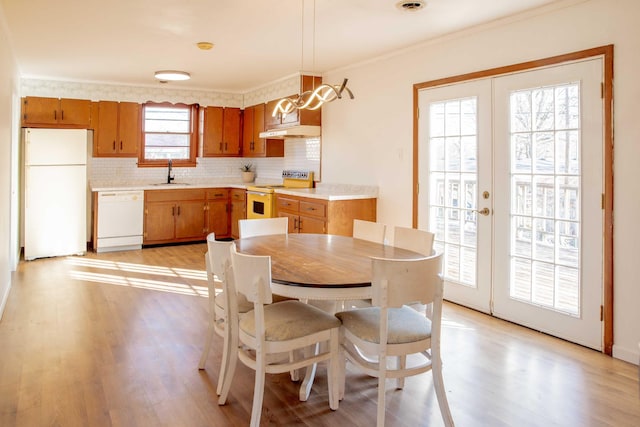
column 606, row 52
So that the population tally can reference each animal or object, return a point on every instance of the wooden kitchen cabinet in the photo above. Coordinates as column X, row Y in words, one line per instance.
column 221, row 132
column 238, row 210
column 218, row 211
column 309, row 215
column 296, row 117
column 252, row 144
column 56, row 112
column 118, row 129
column 174, row 216
column 305, row 215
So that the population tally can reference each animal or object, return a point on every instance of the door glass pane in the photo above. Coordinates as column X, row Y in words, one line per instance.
column 545, row 197
column 453, row 154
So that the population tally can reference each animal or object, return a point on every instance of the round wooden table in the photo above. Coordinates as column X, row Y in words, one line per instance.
column 320, row 266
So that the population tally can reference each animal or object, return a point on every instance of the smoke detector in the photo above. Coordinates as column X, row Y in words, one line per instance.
column 411, row 6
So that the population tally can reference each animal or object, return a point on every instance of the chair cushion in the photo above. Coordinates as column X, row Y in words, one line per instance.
column 405, row 324
column 288, row 320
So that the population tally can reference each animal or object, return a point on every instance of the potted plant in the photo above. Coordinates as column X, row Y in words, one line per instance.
column 248, row 175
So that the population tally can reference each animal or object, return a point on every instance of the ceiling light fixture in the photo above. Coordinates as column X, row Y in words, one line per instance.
column 318, row 96
column 204, row 45
column 411, row 6
column 172, row 75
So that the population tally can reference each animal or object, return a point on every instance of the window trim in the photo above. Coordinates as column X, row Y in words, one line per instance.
column 193, row 137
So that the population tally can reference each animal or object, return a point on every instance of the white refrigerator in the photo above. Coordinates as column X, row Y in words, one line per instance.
column 55, row 192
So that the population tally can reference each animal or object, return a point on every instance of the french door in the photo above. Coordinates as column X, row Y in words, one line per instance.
column 515, row 183
column 455, row 163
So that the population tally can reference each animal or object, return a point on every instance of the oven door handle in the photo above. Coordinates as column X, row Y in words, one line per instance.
column 258, row 193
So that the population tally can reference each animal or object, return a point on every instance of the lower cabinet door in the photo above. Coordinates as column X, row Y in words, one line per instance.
column 159, row 221
column 190, row 219
column 308, row 224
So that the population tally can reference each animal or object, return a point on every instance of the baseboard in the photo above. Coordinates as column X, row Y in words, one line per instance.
column 626, row 354
column 5, row 297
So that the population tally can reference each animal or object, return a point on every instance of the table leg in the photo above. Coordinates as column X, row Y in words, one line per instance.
column 310, row 374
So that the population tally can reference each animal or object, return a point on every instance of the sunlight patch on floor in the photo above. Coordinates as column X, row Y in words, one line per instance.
column 127, row 271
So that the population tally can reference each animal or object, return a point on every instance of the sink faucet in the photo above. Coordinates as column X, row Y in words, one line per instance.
column 169, row 177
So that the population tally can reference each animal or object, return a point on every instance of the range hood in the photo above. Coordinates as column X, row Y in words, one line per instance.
column 292, row 132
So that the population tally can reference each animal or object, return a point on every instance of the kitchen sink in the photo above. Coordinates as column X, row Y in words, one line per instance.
column 171, row 183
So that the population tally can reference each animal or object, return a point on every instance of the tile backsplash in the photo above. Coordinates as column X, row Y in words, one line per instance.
column 300, row 154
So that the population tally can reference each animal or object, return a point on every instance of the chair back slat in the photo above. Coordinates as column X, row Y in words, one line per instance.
column 412, row 239
column 252, row 275
column 219, row 256
column 369, row 230
column 398, row 282
column 263, row 226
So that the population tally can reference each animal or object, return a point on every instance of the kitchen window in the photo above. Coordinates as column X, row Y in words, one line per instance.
column 169, row 131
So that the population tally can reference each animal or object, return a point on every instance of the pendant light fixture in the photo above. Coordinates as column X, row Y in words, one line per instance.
column 318, row 96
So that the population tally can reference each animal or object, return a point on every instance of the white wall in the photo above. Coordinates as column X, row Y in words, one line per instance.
column 8, row 159
column 368, row 140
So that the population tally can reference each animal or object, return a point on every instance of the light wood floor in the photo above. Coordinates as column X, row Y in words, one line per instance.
column 114, row 339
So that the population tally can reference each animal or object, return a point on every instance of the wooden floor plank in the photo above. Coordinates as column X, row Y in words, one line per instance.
column 114, row 340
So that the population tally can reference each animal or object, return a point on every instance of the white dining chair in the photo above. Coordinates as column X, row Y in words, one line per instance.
column 391, row 329
column 369, row 230
column 217, row 260
column 412, row 239
column 263, row 226
column 276, row 328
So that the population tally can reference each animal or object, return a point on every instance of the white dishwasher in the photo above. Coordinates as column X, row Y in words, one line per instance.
column 120, row 220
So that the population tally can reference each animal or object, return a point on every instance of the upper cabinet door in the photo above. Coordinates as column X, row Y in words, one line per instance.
column 212, row 137
column 55, row 112
column 221, row 132
column 129, row 128
column 118, row 130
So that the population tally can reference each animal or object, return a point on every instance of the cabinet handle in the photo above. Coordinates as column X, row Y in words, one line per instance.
column 173, row 211
column 221, row 146
column 55, row 115
column 300, row 224
column 62, row 115
column 114, row 145
column 178, row 210
column 121, row 145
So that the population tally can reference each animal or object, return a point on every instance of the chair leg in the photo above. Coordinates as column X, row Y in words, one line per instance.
column 382, row 380
column 207, row 345
column 230, row 369
column 258, row 393
column 333, row 375
column 343, row 372
column 438, row 384
column 401, row 364
column 224, row 365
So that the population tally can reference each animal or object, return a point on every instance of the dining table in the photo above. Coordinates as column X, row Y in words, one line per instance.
column 312, row 267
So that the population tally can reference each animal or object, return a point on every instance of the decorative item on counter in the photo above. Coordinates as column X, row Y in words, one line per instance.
column 247, row 174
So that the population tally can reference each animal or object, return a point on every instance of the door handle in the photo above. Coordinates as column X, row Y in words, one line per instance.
column 484, row 211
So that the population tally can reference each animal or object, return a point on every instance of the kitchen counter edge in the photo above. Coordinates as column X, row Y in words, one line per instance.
column 313, row 193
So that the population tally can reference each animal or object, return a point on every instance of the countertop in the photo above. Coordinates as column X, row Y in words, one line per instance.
column 322, row 191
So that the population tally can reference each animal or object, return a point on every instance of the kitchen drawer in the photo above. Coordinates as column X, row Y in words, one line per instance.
column 284, row 203
column 238, row 195
column 217, row 193
column 174, row 195
column 313, row 208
